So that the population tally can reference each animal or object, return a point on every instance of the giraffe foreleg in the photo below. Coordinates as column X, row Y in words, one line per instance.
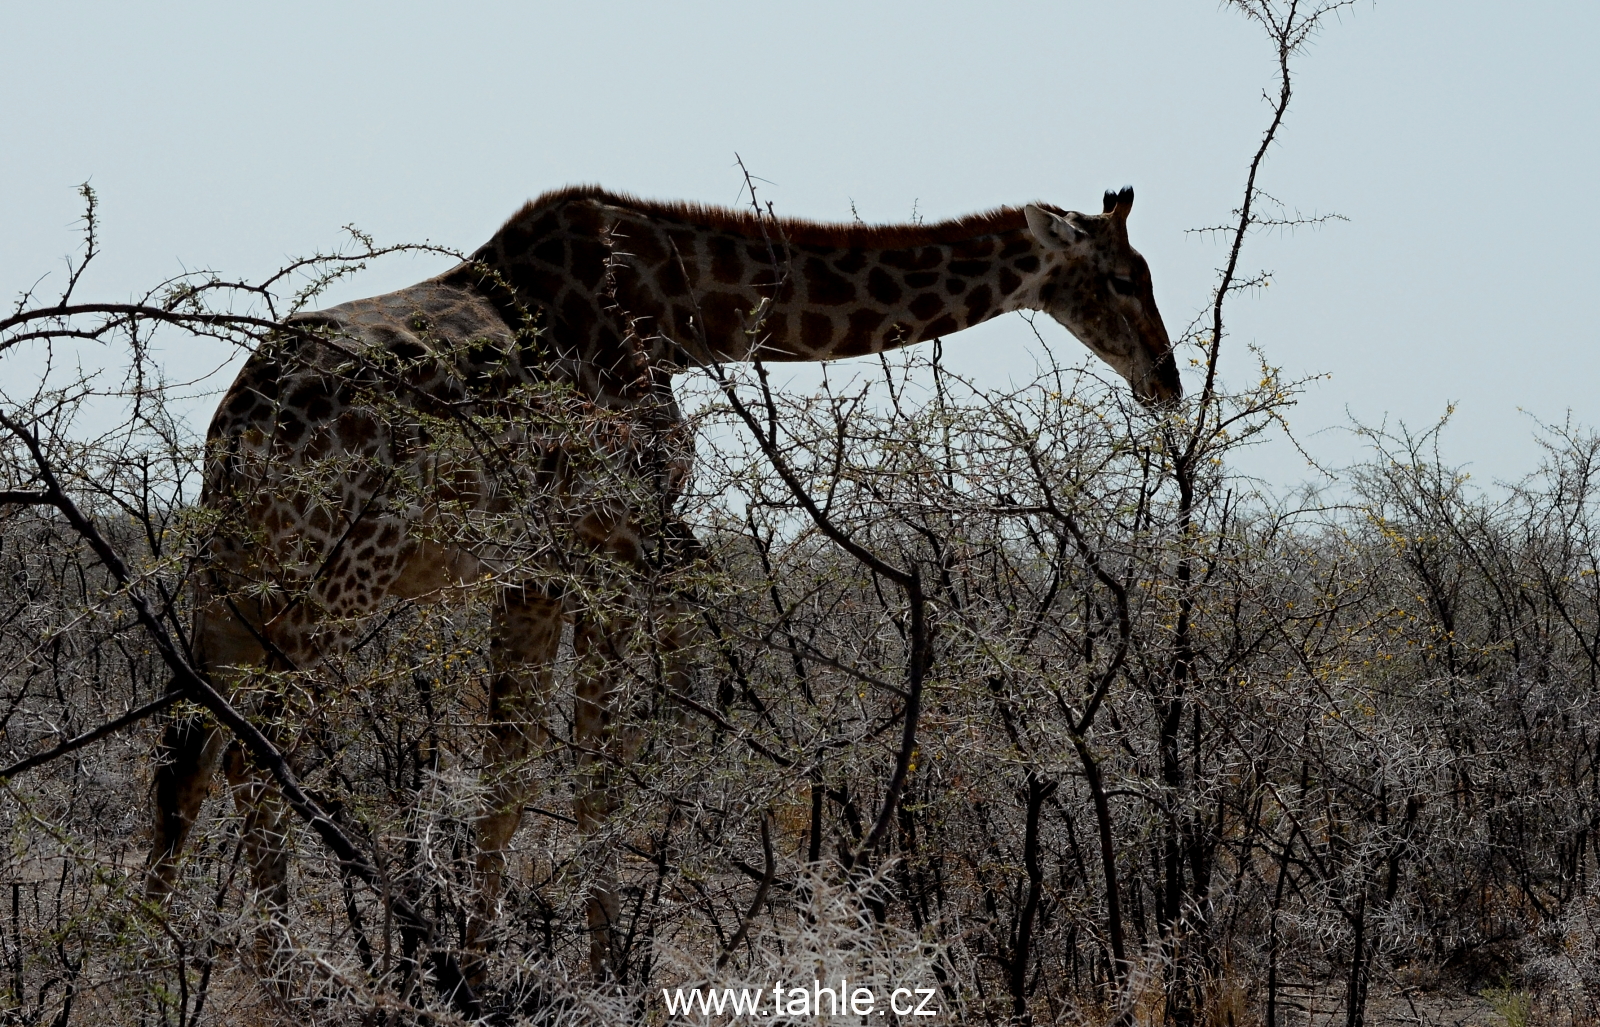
column 187, row 760
column 191, row 748
column 596, row 642
column 525, row 636
column 266, row 830
column 614, row 647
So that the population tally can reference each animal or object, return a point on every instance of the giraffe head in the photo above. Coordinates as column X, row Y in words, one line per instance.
column 1098, row 287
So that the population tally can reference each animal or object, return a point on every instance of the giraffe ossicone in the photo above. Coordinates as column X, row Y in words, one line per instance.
column 412, row 444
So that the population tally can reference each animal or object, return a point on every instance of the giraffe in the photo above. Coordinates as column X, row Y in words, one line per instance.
column 577, row 313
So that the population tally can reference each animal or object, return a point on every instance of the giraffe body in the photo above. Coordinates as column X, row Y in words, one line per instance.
column 409, row 445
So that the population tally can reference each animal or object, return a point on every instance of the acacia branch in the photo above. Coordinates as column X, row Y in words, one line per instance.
column 1288, row 34
column 756, row 903
column 131, row 717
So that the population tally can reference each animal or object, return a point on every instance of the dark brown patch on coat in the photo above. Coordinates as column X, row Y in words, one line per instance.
column 851, row 262
column 683, row 322
column 575, row 309
column 681, row 243
column 944, row 326
column 979, row 301
column 882, row 287
column 551, row 250
column 825, row 287
column 671, row 281
column 313, row 399
column 241, row 401
column 861, row 331
column 516, row 236
column 721, row 312
column 1009, row 281
column 642, row 241
column 816, row 330
column 726, row 266
column 538, row 283
column 357, row 429
column 404, row 348
column 589, row 259
column 544, row 224
column 926, row 305
column 262, row 378
column 775, row 335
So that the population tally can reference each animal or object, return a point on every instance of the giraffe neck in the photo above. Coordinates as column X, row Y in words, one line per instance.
column 729, row 296
column 631, row 285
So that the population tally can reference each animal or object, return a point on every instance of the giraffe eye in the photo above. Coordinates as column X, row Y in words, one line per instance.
column 1122, row 286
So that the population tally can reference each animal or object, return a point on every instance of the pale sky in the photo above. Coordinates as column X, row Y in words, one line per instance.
column 1458, row 137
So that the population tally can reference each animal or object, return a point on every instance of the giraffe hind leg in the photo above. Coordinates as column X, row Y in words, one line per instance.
column 595, row 797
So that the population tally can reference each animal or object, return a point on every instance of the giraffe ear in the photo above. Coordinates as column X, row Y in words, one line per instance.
column 1053, row 231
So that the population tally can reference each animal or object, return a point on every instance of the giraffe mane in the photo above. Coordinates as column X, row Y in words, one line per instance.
column 801, row 231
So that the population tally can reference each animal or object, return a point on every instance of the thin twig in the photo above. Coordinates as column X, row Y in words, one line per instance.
column 111, row 727
column 756, row 903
